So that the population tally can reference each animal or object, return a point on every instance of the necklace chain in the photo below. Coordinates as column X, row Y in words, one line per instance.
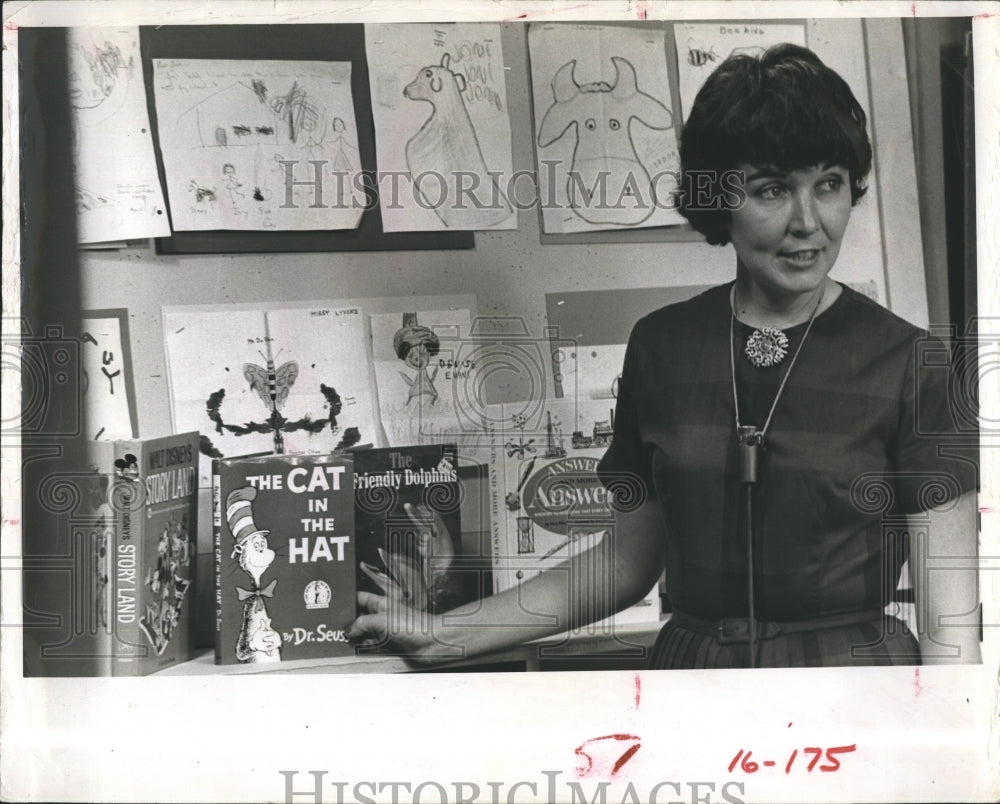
column 788, row 371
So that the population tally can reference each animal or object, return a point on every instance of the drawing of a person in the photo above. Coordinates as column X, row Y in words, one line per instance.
column 415, row 345
column 343, row 160
column 257, row 641
column 93, row 73
column 231, row 183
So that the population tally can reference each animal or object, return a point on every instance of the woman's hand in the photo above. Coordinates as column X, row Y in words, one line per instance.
column 391, row 622
column 630, row 560
column 435, row 546
column 390, row 625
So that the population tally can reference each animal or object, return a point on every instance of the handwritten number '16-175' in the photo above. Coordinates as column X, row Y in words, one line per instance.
column 748, row 765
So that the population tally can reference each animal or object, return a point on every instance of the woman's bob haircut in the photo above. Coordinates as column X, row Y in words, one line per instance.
column 784, row 110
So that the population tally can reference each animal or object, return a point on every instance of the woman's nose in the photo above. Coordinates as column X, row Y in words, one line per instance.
column 804, row 220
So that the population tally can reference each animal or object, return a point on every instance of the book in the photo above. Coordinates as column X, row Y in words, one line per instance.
column 548, row 503
column 147, row 518
column 408, row 503
column 283, row 530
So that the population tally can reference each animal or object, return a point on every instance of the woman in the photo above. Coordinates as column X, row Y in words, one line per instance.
column 771, row 422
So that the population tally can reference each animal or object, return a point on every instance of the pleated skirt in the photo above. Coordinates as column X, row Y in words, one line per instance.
column 867, row 644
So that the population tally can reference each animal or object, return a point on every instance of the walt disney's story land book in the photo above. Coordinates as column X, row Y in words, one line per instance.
column 146, row 492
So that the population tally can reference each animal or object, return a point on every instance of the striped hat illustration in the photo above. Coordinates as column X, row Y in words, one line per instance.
column 239, row 512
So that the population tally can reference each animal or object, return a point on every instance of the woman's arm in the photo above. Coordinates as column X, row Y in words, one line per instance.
column 944, row 575
column 608, row 577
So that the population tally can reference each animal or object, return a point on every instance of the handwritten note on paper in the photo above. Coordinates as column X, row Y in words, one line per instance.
column 259, row 145
column 604, row 127
column 118, row 193
column 283, row 380
column 702, row 46
column 442, row 129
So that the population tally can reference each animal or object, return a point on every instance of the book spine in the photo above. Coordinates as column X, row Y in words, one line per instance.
column 98, row 535
column 498, row 511
column 217, row 555
column 129, row 507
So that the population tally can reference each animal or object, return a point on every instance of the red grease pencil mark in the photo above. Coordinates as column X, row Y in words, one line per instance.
column 638, row 690
column 917, row 689
column 913, row 9
column 598, row 751
column 10, row 26
column 985, row 510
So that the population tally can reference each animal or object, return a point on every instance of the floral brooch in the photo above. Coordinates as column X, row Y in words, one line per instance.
column 766, row 347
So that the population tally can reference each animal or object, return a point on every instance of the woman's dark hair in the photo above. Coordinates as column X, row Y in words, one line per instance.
column 784, row 109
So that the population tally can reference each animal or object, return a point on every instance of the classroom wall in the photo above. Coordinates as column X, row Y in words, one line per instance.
column 510, row 272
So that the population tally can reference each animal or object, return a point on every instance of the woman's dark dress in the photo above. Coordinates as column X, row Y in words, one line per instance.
column 854, row 442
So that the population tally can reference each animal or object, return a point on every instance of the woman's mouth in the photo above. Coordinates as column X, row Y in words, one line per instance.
column 801, row 257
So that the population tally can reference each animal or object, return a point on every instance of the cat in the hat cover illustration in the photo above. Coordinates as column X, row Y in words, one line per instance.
column 257, row 641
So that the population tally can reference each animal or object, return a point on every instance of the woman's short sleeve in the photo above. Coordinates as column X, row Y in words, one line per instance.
column 936, row 451
column 628, row 459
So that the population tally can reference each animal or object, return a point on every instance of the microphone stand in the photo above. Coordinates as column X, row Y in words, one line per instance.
column 751, row 441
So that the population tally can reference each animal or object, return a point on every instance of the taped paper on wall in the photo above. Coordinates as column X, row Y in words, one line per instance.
column 442, row 130
column 118, row 193
column 283, row 380
column 422, row 378
column 702, row 46
column 605, row 138
column 258, row 145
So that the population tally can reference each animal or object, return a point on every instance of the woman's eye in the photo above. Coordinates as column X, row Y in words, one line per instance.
column 831, row 185
column 771, row 192
column 613, row 124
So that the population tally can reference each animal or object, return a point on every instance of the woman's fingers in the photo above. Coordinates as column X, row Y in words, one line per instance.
column 368, row 629
column 371, row 603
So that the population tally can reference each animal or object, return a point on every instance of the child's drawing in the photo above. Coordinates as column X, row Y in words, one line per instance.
column 95, row 68
column 602, row 116
column 421, row 372
column 345, row 155
column 445, row 153
column 284, row 380
column 605, row 135
column 698, row 56
column 266, row 137
column 701, row 47
column 415, row 345
column 231, row 183
column 201, row 194
column 441, row 125
column 118, row 190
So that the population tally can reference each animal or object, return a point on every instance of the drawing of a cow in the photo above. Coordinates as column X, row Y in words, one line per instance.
column 445, row 153
column 607, row 182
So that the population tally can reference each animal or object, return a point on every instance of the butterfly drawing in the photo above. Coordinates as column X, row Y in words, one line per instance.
column 272, row 384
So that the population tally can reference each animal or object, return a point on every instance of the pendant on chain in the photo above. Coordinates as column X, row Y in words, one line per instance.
column 766, row 347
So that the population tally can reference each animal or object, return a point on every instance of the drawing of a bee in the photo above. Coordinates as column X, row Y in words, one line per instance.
column 698, row 57
column 271, row 384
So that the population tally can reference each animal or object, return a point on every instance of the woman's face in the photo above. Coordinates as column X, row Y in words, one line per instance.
column 787, row 233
